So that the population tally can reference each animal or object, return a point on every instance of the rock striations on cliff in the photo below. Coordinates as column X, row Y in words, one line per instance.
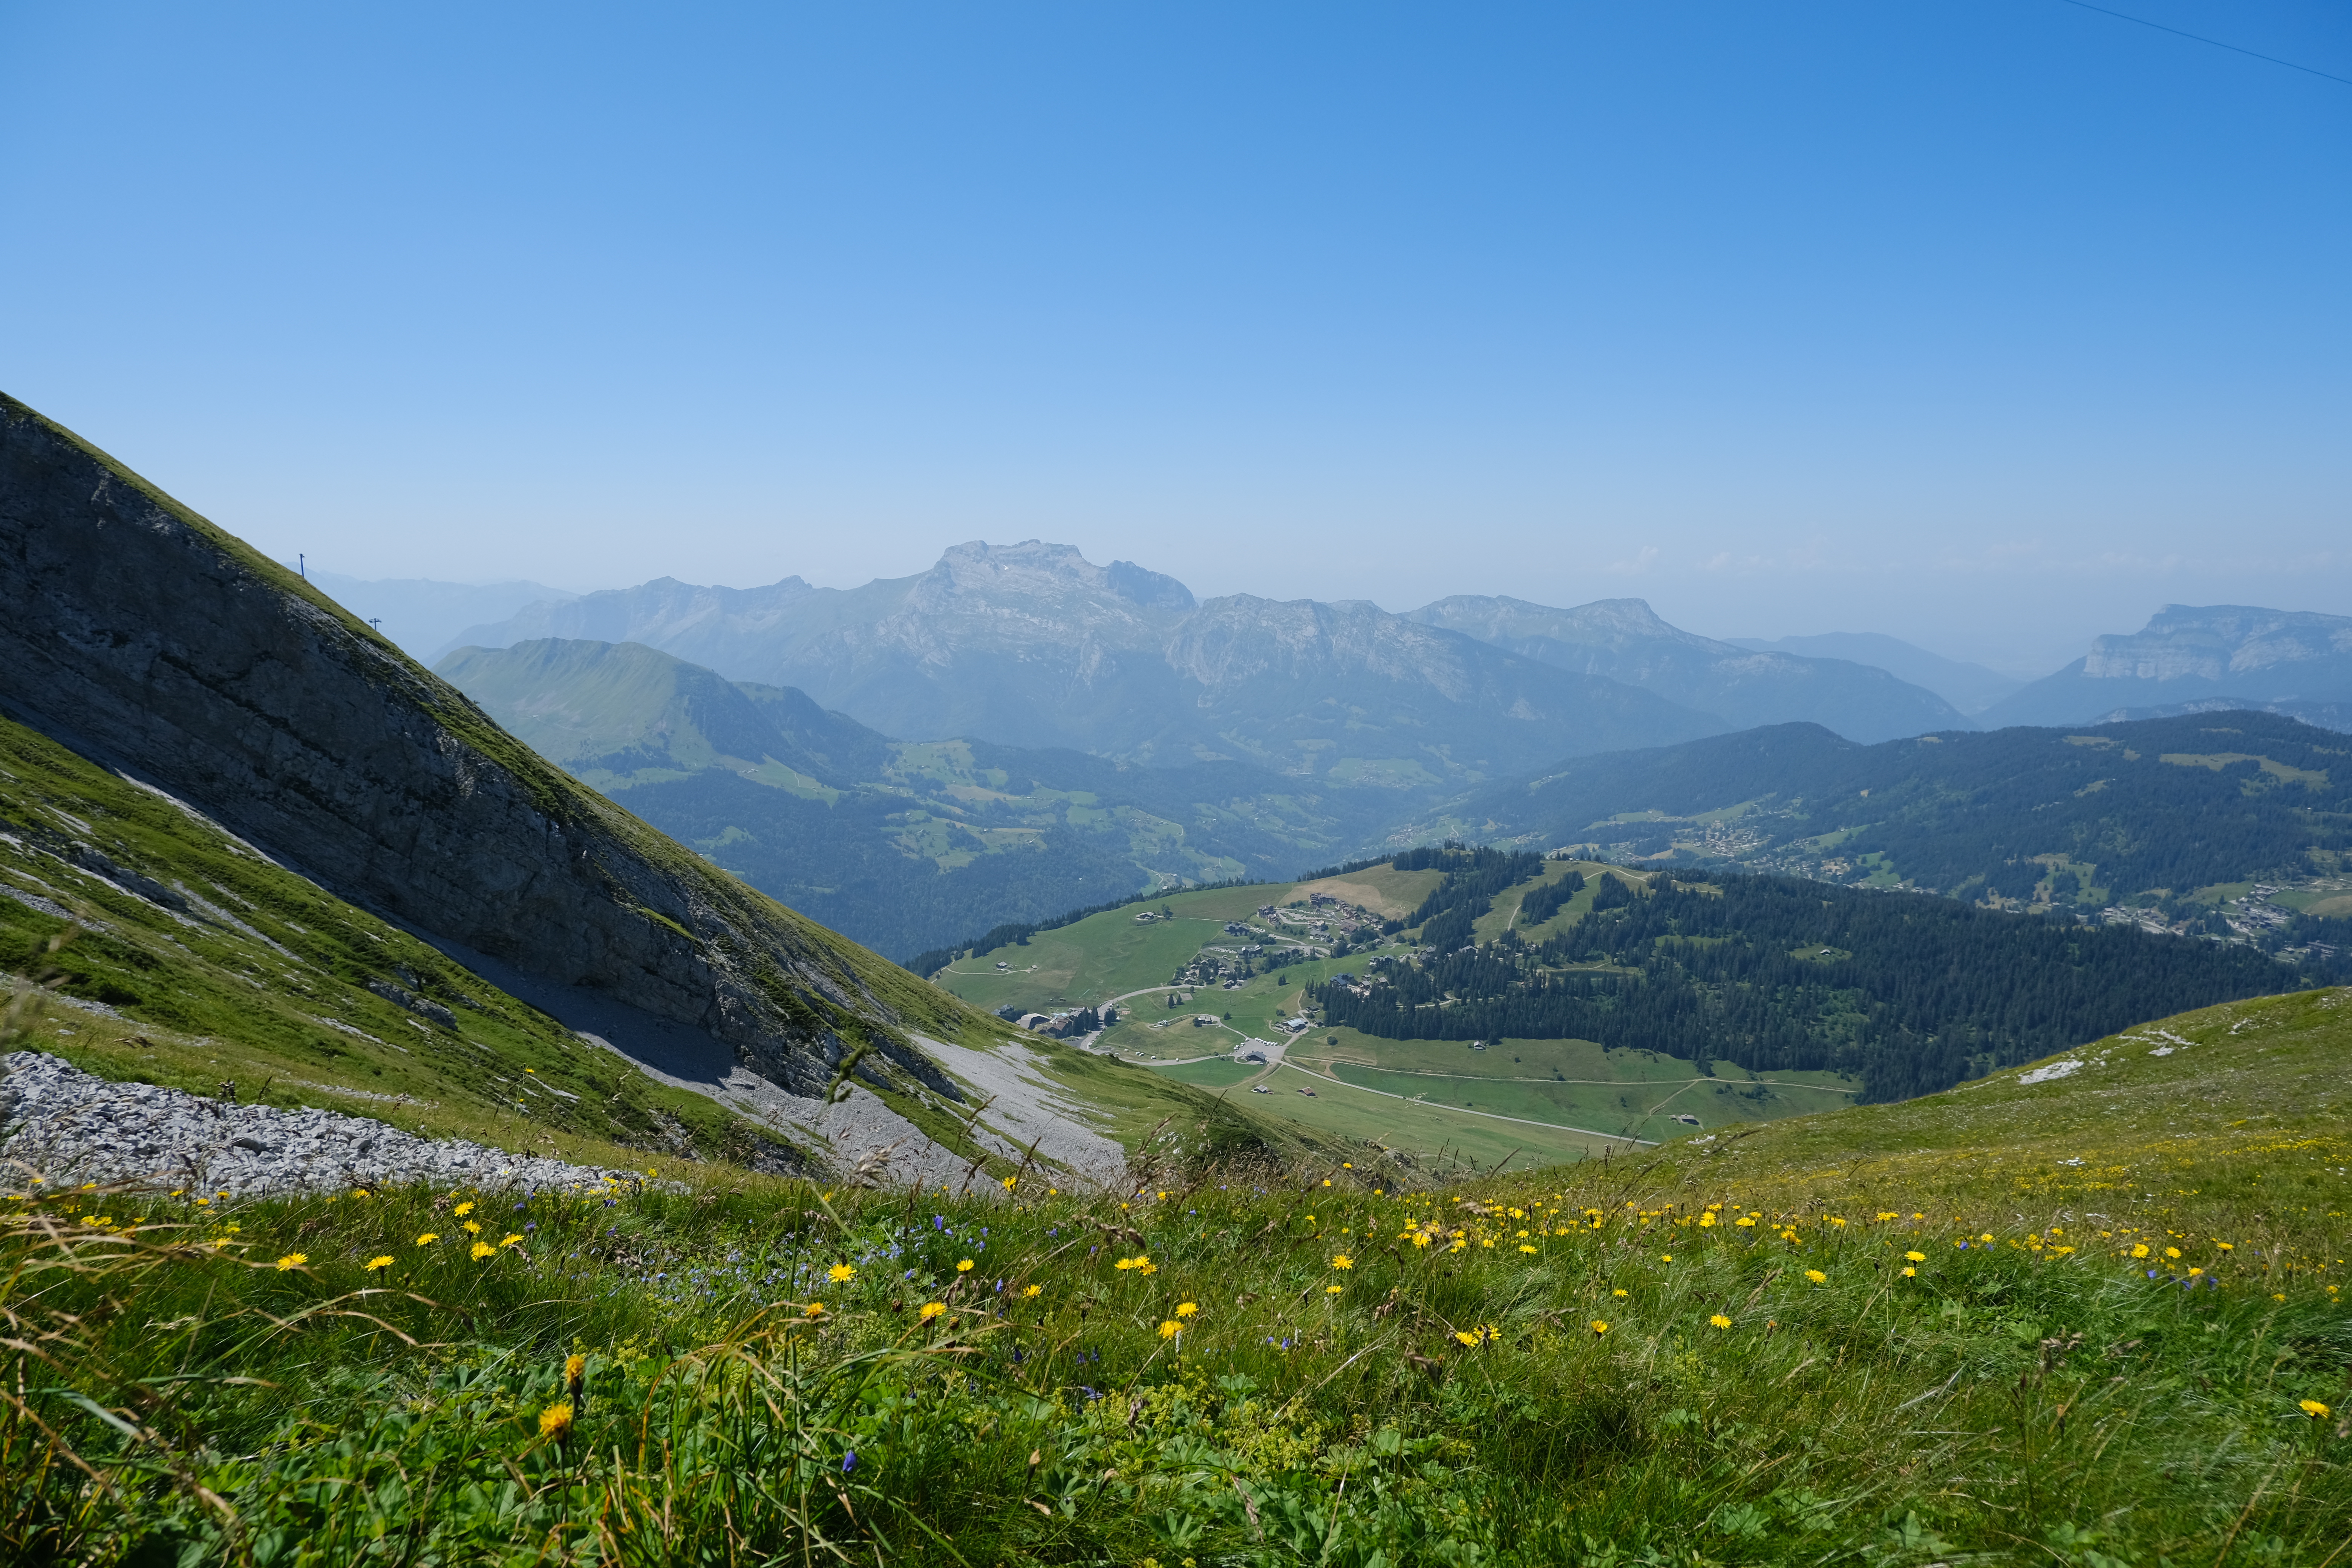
column 142, row 635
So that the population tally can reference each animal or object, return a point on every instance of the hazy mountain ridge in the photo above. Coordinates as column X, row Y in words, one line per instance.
column 1970, row 688
column 901, row 845
column 2298, row 661
column 1625, row 640
column 1032, row 645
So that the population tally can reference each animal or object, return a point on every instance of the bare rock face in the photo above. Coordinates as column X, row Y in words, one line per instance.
column 140, row 634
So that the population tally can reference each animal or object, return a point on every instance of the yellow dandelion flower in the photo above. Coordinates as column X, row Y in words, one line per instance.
column 575, row 1367
column 1817, row 1277
column 1598, row 1327
column 1617, row 1292
column 1334, row 1290
column 1421, row 1238
column 384, row 1261
column 1341, row 1260
column 2172, row 1252
column 2316, row 1410
column 510, row 1239
column 555, row 1422
column 1170, row 1329
column 1124, row 1264
column 1186, row 1309
column 965, row 1266
column 482, row 1249
column 1466, row 1337
column 292, row 1261
column 1145, row 1265
column 1524, row 1247
column 1909, row 1272
column 428, row 1238
column 1010, row 1181
column 1914, row 1257
column 473, row 1227
column 814, row 1310
column 841, row 1273
column 1720, row 1322
column 1033, row 1290
column 932, row 1310
column 2140, row 1250
column 462, row 1210
column 1665, row 1257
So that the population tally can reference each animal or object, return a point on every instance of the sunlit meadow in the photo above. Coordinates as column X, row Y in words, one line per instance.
column 1964, row 1329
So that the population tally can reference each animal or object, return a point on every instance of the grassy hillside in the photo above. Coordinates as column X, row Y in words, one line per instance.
column 1780, row 975
column 196, row 961
column 2090, row 1313
column 2227, row 825
column 1530, row 1102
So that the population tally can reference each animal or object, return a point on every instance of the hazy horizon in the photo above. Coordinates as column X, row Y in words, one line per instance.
column 1992, row 329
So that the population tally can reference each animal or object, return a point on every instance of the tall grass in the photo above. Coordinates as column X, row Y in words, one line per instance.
column 1540, row 1377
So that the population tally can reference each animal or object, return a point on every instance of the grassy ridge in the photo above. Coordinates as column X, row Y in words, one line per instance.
column 2092, row 1316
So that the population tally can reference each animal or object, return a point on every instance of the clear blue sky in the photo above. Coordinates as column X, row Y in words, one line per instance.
column 1990, row 324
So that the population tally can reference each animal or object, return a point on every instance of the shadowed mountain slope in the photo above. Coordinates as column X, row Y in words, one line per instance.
column 144, row 638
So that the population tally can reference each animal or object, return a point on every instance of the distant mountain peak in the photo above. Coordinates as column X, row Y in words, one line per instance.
column 1037, row 569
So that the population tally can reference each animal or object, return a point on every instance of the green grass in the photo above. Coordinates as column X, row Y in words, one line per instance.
column 1539, row 1378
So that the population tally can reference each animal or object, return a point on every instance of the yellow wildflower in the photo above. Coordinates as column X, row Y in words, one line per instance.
column 1341, row 1260
column 1170, row 1329
column 482, row 1249
column 384, row 1261
column 555, row 1422
column 292, row 1261
column 1186, row 1309
column 473, row 1227
column 932, row 1310
column 1909, row 1272
column 1524, row 1247
column 1009, row 1182
column 575, row 1367
column 1466, row 1337
column 2172, row 1252
column 1033, row 1291
column 1334, row 1290
column 2140, row 1250
column 511, row 1239
column 1817, row 1277
column 1598, row 1327
column 814, row 1310
column 965, row 1266
column 1914, row 1257
column 428, row 1238
column 2316, row 1410
column 841, row 1273
column 462, row 1210
column 1720, row 1322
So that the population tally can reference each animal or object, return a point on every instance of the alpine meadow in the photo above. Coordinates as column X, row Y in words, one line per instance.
column 1536, row 786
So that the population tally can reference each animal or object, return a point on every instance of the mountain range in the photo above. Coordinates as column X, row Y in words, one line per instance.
column 2200, row 659
column 1032, row 645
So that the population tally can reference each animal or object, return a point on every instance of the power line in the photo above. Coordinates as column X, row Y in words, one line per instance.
column 2200, row 38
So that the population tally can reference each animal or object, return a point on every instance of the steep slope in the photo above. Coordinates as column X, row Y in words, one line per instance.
column 143, row 636
column 2285, row 661
column 421, row 615
column 901, row 845
column 1032, row 645
column 1970, row 688
column 2236, row 826
column 1625, row 640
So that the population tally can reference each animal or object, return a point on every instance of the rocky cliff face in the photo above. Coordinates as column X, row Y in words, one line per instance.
column 144, row 637
column 2198, row 658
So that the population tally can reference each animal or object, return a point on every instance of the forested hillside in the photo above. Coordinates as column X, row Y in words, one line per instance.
column 1776, row 974
column 2228, row 824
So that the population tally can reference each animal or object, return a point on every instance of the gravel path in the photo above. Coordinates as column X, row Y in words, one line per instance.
column 67, row 1127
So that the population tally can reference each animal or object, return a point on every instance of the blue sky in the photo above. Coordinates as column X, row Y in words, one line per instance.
column 1992, row 325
